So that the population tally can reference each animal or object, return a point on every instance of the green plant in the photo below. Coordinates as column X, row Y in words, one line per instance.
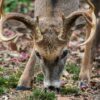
column 75, row 77
column 2, row 81
column 39, row 94
column 1, row 69
column 7, row 82
column 13, row 5
column 3, row 90
column 73, row 69
column 69, row 90
column 39, row 78
column 12, row 81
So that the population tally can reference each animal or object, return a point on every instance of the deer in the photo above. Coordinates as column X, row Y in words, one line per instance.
column 96, row 3
column 51, row 28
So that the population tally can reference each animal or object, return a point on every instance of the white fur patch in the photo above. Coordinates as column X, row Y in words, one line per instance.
column 55, row 83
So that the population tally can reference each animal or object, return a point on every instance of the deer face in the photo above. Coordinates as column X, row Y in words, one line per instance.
column 52, row 59
column 51, row 51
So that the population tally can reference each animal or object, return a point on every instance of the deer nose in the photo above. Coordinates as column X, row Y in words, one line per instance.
column 52, row 88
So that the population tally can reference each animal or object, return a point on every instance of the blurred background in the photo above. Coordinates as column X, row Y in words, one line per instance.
column 27, row 6
column 22, row 6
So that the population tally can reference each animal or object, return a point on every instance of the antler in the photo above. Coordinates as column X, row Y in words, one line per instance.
column 20, row 17
column 1, row 8
column 92, row 23
column 92, row 8
column 69, row 21
column 92, row 29
column 28, row 21
column 2, row 15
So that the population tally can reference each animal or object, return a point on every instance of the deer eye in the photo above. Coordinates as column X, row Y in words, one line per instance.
column 37, row 54
column 64, row 54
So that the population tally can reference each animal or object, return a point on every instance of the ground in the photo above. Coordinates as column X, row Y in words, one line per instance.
column 14, row 56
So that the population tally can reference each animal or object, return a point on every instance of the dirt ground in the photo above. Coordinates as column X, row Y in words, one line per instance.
column 15, row 54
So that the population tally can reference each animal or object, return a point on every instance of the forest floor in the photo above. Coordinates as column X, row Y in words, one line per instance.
column 14, row 56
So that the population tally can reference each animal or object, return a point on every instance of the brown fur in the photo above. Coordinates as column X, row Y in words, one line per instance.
column 50, row 48
column 54, row 20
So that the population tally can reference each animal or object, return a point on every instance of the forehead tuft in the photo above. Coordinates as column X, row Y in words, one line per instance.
column 45, row 23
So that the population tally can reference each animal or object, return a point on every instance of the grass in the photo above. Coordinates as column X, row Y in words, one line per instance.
column 3, row 90
column 73, row 69
column 7, row 82
column 39, row 94
column 1, row 69
column 13, row 80
column 39, row 78
column 69, row 90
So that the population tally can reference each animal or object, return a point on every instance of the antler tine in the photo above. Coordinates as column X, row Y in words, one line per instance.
column 69, row 21
column 92, row 23
column 2, row 15
column 1, row 8
column 89, row 17
column 28, row 21
column 92, row 8
column 1, row 21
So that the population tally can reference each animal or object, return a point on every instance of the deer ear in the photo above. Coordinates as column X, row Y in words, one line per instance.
column 1, row 8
